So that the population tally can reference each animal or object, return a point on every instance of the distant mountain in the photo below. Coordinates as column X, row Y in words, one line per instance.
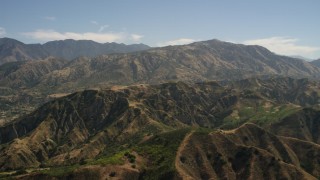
column 171, row 130
column 201, row 61
column 316, row 62
column 12, row 50
column 70, row 49
column 206, row 60
column 303, row 58
column 196, row 62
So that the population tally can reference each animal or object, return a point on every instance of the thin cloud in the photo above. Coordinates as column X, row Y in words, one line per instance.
column 2, row 32
column 50, row 18
column 180, row 41
column 50, row 35
column 136, row 37
column 94, row 22
column 102, row 28
column 285, row 46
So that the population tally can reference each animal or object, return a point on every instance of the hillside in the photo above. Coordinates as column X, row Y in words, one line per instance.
column 26, row 74
column 12, row 50
column 247, row 152
column 16, row 79
column 95, row 127
column 243, row 153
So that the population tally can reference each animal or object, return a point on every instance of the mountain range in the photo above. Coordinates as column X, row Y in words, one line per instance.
column 12, row 50
column 30, row 83
column 200, row 61
column 206, row 110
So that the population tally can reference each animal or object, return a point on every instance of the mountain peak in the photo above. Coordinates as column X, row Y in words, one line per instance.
column 9, row 41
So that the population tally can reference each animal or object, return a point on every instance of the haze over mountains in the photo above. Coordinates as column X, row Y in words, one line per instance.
column 209, row 109
column 13, row 50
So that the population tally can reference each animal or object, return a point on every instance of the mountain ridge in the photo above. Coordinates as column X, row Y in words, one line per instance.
column 12, row 50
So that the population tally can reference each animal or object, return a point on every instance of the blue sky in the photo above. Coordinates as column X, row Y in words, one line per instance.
column 290, row 27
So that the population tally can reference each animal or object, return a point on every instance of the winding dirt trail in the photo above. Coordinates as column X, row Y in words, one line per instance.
column 178, row 163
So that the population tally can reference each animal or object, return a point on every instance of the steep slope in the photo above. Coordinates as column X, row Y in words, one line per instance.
column 62, row 128
column 94, row 119
column 255, row 59
column 247, row 152
column 303, row 92
column 138, row 129
column 303, row 124
column 12, row 50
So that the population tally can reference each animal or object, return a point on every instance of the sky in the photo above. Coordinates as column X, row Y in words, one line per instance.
column 287, row 27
